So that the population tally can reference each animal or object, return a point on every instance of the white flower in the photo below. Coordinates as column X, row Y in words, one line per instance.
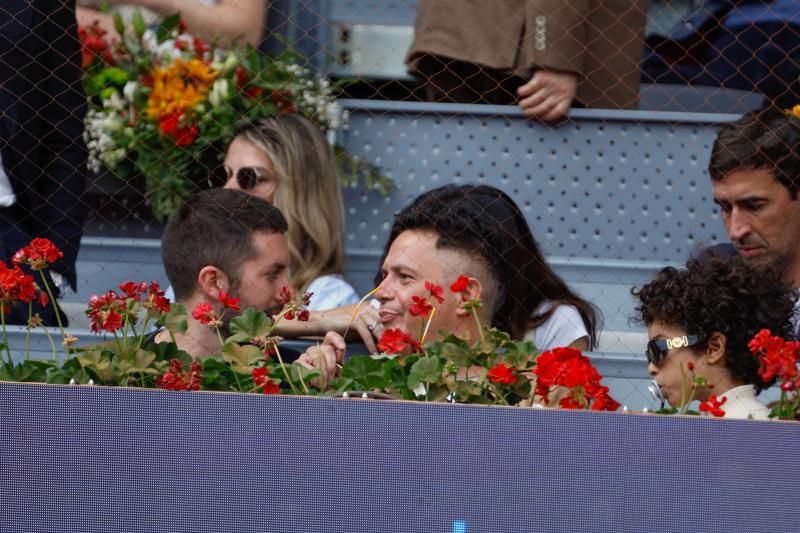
column 130, row 90
column 149, row 41
column 220, row 92
column 167, row 50
column 114, row 102
column 231, row 62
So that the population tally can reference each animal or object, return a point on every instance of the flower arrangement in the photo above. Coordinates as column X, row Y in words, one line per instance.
column 162, row 104
column 492, row 370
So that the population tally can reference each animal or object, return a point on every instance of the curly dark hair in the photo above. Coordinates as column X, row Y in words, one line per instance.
column 725, row 296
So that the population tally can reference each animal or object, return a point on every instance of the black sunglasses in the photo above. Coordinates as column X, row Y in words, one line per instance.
column 246, row 177
column 657, row 349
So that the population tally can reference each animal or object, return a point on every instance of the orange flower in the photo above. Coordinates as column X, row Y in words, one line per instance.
column 179, row 87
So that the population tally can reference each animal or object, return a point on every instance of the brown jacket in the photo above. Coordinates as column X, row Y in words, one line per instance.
column 601, row 41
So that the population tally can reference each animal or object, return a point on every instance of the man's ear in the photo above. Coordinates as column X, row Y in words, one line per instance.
column 474, row 292
column 212, row 281
column 715, row 349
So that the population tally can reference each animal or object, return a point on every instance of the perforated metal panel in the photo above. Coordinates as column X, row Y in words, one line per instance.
column 102, row 459
column 605, row 185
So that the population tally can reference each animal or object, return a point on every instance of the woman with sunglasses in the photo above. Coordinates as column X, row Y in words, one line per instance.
column 286, row 160
column 700, row 320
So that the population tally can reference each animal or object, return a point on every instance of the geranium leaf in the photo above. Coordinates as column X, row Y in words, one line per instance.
column 241, row 357
column 176, row 319
column 250, row 324
column 425, row 370
column 365, row 371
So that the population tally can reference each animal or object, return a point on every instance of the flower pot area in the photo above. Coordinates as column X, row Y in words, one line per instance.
column 96, row 458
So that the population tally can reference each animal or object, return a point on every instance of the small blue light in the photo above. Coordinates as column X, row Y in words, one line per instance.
column 459, row 526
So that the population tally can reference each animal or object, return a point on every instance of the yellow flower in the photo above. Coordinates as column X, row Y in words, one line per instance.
column 794, row 111
column 179, row 87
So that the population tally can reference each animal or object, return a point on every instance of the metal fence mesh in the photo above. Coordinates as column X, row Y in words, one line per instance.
column 611, row 196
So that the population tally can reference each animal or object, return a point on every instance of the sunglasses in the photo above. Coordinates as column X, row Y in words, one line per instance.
column 246, row 177
column 657, row 349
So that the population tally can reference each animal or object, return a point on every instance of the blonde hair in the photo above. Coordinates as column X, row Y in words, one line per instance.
column 308, row 193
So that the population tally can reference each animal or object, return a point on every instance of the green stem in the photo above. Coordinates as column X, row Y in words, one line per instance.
column 116, row 341
column 5, row 333
column 684, row 403
column 141, row 336
column 50, row 338
column 219, row 336
column 54, row 304
column 28, row 332
column 480, row 326
column 125, row 333
column 286, row 372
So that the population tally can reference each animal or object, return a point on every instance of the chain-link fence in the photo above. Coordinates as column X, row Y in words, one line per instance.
column 596, row 118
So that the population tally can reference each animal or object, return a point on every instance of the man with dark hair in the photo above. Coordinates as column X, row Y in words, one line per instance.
column 224, row 241
column 460, row 243
column 755, row 169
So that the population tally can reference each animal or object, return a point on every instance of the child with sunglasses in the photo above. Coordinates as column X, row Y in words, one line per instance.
column 700, row 320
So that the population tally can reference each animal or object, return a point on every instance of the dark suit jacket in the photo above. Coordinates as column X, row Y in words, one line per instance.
column 42, row 108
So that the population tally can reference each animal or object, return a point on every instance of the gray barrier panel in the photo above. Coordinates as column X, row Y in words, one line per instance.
column 97, row 459
column 629, row 186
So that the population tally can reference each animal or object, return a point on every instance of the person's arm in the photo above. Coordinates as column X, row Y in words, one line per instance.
column 366, row 325
column 554, row 46
column 228, row 20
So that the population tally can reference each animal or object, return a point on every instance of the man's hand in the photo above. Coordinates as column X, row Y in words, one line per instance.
column 326, row 358
column 548, row 95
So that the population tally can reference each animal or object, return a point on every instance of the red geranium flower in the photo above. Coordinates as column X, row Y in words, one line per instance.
column 420, row 307
column 156, row 300
column 285, row 296
column 105, row 312
column 460, row 285
column 132, row 289
column 395, row 341
column 502, row 374
column 39, row 254
column 229, row 301
column 436, row 291
column 261, row 379
column 205, row 314
column 567, row 367
column 778, row 357
column 16, row 284
column 176, row 378
column 713, row 405
column 303, row 315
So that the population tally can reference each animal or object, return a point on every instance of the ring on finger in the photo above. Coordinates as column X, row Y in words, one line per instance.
column 371, row 326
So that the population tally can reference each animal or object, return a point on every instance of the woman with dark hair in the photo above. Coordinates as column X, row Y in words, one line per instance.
column 532, row 301
column 700, row 320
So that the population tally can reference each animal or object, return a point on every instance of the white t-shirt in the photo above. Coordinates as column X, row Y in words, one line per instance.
column 330, row 292
column 562, row 328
